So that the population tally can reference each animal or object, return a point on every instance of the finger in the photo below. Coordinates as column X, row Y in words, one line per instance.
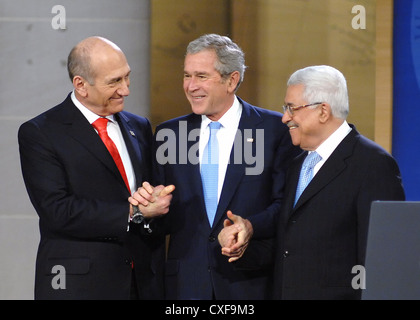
column 230, row 230
column 140, row 199
column 233, row 259
column 226, row 241
column 237, row 255
column 233, row 217
column 227, row 223
column 133, row 201
column 238, row 246
column 148, row 187
column 167, row 190
column 143, row 195
column 157, row 190
column 228, row 252
column 245, row 235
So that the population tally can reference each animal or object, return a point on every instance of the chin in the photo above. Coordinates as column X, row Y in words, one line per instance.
column 117, row 106
column 196, row 110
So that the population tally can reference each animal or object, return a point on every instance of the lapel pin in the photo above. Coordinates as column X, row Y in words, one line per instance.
column 249, row 140
column 132, row 133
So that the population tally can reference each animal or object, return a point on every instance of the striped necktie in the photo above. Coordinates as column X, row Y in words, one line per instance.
column 307, row 172
column 210, row 172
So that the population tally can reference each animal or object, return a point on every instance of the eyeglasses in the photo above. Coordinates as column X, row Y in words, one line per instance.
column 290, row 109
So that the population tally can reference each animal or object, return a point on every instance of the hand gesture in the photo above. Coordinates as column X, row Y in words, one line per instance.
column 152, row 201
column 234, row 237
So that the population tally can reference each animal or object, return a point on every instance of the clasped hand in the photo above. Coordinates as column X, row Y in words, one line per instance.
column 235, row 236
column 152, row 201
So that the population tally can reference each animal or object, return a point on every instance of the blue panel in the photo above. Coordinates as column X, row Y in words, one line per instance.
column 406, row 113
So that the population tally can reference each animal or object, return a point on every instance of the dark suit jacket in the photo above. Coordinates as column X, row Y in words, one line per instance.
column 195, row 267
column 81, row 201
column 325, row 235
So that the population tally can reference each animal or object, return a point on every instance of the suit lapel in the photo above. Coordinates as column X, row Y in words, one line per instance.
column 192, row 168
column 81, row 130
column 335, row 164
column 132, row 143
column 236, row 169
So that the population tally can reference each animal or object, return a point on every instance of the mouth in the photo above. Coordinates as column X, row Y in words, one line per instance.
column 197, row 97
column 292, row 126
column 118, row 99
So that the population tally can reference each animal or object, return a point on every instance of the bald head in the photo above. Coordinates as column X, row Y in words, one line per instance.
column 87, row 54
column 100, row 75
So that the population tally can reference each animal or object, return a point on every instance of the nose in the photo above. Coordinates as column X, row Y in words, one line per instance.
column 124, row 90
column 190, row 84
column 286, row 117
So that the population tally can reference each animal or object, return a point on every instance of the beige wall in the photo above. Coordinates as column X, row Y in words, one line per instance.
column 34, row 78
column 278, row 37
column 173, row 25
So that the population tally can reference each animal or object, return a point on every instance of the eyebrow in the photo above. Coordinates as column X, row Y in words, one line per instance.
column 196, row 72
column 116, row 79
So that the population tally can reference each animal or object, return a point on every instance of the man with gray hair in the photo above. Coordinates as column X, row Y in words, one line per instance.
column 237, row 166
column 323, row 225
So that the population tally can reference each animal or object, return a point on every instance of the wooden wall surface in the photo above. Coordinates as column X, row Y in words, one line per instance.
column 279, row 37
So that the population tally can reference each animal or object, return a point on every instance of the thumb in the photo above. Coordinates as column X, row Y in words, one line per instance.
column 232, row 216
column 147, row 186
column 227, row 223
column 167, row 190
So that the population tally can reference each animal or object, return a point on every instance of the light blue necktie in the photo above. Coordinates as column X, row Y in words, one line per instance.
column 210, row 172
column 307, row 172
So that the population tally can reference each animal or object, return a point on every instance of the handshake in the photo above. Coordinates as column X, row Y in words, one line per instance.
column 154, row 202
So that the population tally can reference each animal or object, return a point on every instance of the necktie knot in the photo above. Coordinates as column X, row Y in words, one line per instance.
column 311, row 160
column 100, row 124
column 214, row 125
column 307, row 172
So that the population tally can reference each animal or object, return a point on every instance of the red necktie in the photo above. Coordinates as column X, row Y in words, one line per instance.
column 100, row 125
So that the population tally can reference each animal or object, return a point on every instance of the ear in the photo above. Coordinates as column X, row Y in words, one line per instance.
column 325, row 112
column 233, row 81
column 80, row 85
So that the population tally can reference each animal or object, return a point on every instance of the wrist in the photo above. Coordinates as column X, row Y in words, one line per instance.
column 137, row 216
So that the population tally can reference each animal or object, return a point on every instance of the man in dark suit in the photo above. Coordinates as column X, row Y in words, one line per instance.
column 254, row 153
column 322, row 234
column 89, row 249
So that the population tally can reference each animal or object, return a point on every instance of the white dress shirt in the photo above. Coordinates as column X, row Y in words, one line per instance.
column 115, row 134
column 225, row 136
column 330, row 144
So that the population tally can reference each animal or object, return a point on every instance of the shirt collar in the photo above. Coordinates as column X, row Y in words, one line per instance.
column 229, row 119
column 329, row 145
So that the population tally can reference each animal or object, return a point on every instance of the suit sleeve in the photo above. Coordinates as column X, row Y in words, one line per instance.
column 265, row 222
column 61, row 211
column 259, row 255
column 382, row 182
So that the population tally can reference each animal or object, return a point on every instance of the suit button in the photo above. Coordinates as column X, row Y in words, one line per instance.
column 212, row 239
column 285, row 253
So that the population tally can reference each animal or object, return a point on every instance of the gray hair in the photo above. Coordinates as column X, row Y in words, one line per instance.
column 79, row 64
column 323, row 84
column 230, row 56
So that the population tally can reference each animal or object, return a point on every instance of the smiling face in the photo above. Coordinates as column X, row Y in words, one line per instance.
column 305, row 124
column 111, row 81
column 207, row 91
